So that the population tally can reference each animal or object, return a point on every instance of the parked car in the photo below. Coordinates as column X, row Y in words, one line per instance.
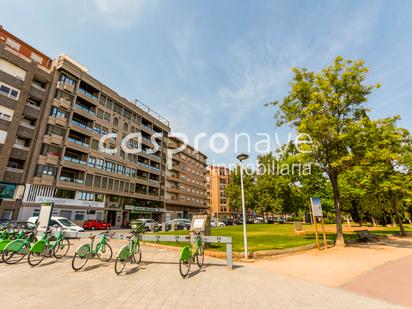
column 228, row 221
column 216, row 223
column 239, row 221
column 96, row 225
column 179, row 224
column 258, row 220
column 150, row 224
column 62, row 222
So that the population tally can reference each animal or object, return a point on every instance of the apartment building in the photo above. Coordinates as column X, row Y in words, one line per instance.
column 53, row 115
column 218, row 178
column 25, row 84
column 186, row 193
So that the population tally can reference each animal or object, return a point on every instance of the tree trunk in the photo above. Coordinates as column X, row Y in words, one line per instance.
column 340, row 241
column 374, row 222
column 398, row 217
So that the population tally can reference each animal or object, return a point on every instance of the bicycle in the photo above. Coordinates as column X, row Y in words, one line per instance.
column 44, row 247
column 186, row 256
column 7, row 236
column 129, row 251
column 18, row 248
column 85, row 251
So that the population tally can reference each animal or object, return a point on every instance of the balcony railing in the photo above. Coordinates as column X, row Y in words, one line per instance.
column 14, row 169
column 147, row 127
column 81, row 125
column 143, row 164
column 38, row 87
column 78, row 142
column 74, row 160
column 23, row 124
column 21, row 147
column 71, row 179
column 33, row 106
column 87, row 94
column 87, row 110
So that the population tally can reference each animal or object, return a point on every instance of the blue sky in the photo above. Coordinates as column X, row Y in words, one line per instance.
column 210, row 66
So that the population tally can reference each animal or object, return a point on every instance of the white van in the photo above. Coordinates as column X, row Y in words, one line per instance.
column 63, row 222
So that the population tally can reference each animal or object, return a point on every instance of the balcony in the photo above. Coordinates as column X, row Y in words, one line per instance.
column 84, row 110
column 65, row 86
column 74, row 160
column 88, row 92
column 38, row 86
column 86, row 129
column 44, row 180
column 48, row 159
column 18, row 146
column 14, row 170
column 62, row 103
column 31, row 110
column 71, row 179
column 147, row 127
column 53, row 139
column 77, row 142
column 61, row 121
column 26, row 125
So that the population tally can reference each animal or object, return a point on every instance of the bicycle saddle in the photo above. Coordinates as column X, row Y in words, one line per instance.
column 92, row 236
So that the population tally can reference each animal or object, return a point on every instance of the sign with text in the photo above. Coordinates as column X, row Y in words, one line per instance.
column 316, row 207
column 46, row 211
column 199, row 223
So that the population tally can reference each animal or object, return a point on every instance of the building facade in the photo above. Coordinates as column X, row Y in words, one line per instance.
column 53, row 115
column 186, row 193
column 218, row 178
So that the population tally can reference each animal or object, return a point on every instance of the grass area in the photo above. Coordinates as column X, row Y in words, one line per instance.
column 278, row 236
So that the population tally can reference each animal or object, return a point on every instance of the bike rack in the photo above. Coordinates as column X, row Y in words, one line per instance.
column 181, row 238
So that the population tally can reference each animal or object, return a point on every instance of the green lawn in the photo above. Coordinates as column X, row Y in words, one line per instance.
column 275, row 236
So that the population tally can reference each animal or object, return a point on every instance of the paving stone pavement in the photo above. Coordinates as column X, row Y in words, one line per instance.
column 156, row 283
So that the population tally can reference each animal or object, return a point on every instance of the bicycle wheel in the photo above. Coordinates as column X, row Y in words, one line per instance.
column 61, row 248
column 184, row 267
column 35, row 259
column 137, row 256
column 105, row 253
column 119, row 265
column 12, row 257
column 200, row 257
column 80, row 259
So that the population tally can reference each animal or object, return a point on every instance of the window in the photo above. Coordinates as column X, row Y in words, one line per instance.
column 58, row 113
column 36, row 57
column 102, row 99
column 79, row 215
column 95, row 144
column 63, row 95
column 118, row 108
column 45, row 170
column 7, row 214
column 51, row 129
column 67, row 79
column 99, row 113
column 99, row 215
column 66, row 214
column 13, row 44
column 86, row 196
column 105, row 131
column 127, row 114
column 91, row 162
column 109, row 103
column 115, row 122
column 9, row 91
column 50, row 150
column 97, row 128
column 62, row 193
column 125, row 127
column 106, row 117
column 6, row 113
column 99, row 163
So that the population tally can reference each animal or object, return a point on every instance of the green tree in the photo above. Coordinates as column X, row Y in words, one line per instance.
column 326, row 105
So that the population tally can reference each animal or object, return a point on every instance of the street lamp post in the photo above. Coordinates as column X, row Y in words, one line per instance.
column 242, row 157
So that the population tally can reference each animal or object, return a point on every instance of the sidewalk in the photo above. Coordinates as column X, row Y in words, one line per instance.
column 157, row 284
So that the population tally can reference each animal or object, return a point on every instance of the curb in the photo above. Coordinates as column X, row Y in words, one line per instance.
column 239, row 255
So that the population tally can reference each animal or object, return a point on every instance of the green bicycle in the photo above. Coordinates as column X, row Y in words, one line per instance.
column 186, row 256
column 103, row 251
column 17, row 249
column 130, row 252
column 8, row 236
column 44, row 247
